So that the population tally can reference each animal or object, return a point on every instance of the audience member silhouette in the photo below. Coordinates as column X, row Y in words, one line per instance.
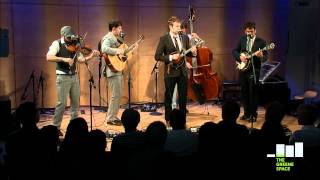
column 308, row 134
column 73, row 155
column 125, row 145
column 24, row 146
column 180, row 141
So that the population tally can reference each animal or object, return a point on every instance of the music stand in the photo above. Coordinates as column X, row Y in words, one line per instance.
column 155, row 70
column 267, row 68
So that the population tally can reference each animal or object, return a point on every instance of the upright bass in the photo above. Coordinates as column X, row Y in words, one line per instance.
column 203, row 83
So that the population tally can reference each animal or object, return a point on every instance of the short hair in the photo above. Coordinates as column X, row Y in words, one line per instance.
column 114, row 24
column 250, row 25
column 184, row 25
column 130, row 119
column 27, row 113
column 173, row 19
column 307, row 114
column 230, row 111
column 177, row 119
column 275, row 111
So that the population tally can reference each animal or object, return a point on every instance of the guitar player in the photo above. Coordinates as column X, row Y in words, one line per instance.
column 110, row 45
column 176, row 72
column 249, row 79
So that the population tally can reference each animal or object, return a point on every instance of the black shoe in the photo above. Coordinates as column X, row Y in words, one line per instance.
column 115, row 122
column 253, row 118
column 60, row 133
column 245, row 117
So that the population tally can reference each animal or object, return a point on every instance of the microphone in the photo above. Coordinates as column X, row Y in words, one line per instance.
column 122, row 35
column 250, row 36
column 76, row 37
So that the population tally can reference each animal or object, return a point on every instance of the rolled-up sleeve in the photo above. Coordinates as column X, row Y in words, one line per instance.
column 54, row 48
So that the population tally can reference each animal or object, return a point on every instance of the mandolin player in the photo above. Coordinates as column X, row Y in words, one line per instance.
column 167, row 51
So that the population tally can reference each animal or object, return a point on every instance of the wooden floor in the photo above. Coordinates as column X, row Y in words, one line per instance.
column 198, row 115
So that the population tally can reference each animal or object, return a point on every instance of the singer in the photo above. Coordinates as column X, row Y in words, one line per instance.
column 249, row 79
column 168, row 51
column 67, row 77
column 109, row 45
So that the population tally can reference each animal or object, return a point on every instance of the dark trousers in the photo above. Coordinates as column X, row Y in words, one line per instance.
column 170, row 83
column 250, row 92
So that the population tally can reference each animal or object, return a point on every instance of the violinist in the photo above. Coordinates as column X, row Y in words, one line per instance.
column 65, row 52
column 176, row 72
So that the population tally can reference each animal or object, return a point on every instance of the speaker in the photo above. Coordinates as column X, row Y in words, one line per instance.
column 4, row 42
column 5, row 107
column 231, row 90
column 274, row 91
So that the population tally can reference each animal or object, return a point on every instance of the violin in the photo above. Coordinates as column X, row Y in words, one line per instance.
column 77, row 47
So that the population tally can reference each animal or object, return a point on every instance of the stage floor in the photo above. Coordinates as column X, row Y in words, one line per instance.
column 198, row 115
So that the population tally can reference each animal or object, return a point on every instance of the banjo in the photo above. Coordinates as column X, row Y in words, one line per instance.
column 243, row 66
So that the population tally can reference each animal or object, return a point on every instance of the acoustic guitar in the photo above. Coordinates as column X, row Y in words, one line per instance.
column 118, row 62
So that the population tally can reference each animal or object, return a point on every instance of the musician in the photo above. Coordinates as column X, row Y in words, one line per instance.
column 167, row 51
column 184, row 29
column 249, row 78
column 67, row 76
column 109, row 45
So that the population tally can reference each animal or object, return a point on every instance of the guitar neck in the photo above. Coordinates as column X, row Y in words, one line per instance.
column 132, row 46
column 254, row 54
column 184, row 53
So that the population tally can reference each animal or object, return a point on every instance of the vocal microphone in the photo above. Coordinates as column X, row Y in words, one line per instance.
column 250, row 36
column 122, row 35
column 76, row 37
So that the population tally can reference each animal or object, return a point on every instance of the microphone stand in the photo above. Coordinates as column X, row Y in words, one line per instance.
column 254, row 82
column 91, row 81
column 41, row 79
column 155, row 70
column 129, row 84
column 24, row 95
column 91, row 84
column 100, row 74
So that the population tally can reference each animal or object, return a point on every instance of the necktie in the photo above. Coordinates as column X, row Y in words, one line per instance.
column 176, row 43
column 249, row 45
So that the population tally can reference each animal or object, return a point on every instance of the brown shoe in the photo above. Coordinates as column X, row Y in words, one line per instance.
column 60, row 133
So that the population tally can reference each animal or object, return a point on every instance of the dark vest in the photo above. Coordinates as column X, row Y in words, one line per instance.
column 62, row 66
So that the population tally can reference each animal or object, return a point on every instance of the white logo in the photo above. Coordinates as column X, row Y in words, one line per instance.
column 283, row 150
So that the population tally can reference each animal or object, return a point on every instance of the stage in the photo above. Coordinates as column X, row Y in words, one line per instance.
column 198, row 115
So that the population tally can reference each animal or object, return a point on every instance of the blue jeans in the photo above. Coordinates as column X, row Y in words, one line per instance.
column 66, row 85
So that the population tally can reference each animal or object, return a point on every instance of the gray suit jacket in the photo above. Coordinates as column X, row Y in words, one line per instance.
column 109, row 45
